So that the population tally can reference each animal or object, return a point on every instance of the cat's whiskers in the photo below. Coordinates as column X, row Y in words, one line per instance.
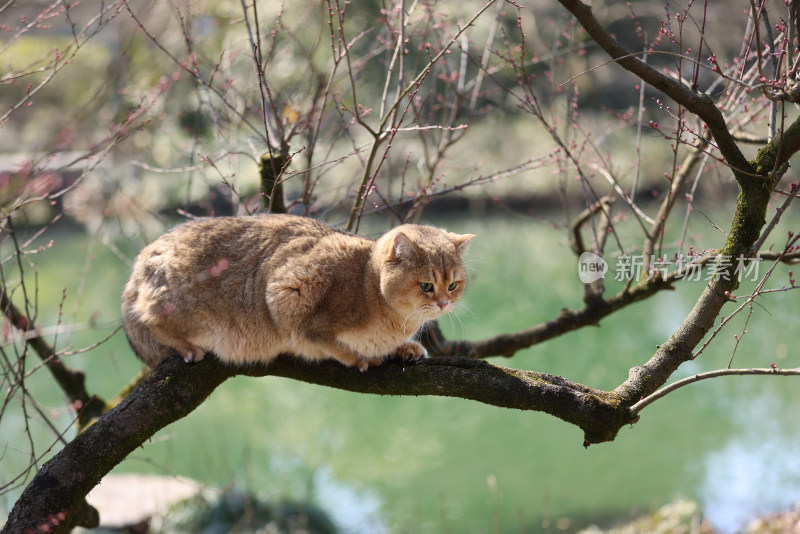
column 456, row 316
column 461, row 305
column 413, row 315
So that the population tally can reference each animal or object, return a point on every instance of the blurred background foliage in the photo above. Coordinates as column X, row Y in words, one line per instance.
column 159, row 106
column 118, row 119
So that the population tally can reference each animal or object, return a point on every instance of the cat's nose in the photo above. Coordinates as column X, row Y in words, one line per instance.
column 442, row 304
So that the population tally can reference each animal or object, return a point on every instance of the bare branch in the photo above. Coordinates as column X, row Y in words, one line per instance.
column 566, row 321
column 72, row 382
column 772, row 371
column 382, row 134
column 700, row 104
column 677, row 185
column 604, row 206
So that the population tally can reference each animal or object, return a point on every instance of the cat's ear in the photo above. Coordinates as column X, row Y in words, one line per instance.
column 402, row 247
column 461, row 241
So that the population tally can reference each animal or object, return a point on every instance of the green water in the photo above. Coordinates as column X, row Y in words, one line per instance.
column 437, row 465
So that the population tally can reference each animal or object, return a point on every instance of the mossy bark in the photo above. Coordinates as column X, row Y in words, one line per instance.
column 175, row 388
column 756, row 183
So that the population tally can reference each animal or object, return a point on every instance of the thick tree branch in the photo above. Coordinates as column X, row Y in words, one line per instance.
column 54, row 495
column 270, row 167
column 594, row 411
column 700, row 104
column 773, row 156
column 175, row 388
column 648, row 377
column 748, row 219
column 756, row 181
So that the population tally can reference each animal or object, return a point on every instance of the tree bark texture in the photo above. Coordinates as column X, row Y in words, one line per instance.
column 51, row 502
column 54, row 498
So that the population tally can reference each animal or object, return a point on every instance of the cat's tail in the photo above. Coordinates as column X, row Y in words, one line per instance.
column 142, row 341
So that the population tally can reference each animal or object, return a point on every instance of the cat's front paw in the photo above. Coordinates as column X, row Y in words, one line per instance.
column 411, row 351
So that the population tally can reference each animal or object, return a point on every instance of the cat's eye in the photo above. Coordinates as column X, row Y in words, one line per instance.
column 426, row 287
column 453, row 286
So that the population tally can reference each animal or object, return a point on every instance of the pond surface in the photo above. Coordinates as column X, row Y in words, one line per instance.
column 437, row 465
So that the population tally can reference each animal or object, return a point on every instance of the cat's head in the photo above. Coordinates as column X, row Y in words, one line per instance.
column 421, row 271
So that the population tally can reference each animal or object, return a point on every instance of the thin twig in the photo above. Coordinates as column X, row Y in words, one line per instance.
column 776, row 218
column 773, row 371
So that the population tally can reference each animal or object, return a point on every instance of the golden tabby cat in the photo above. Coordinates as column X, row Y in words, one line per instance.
column 250, row 288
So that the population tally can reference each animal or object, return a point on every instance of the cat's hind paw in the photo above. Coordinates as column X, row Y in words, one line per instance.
column 362, row 364
column 193, row 355
column 191, row 358
column 411, row 351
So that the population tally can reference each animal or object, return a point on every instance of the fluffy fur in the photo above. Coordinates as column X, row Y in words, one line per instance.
column 250, row 288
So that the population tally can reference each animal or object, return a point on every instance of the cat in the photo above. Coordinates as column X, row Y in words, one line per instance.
column 249, row 288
